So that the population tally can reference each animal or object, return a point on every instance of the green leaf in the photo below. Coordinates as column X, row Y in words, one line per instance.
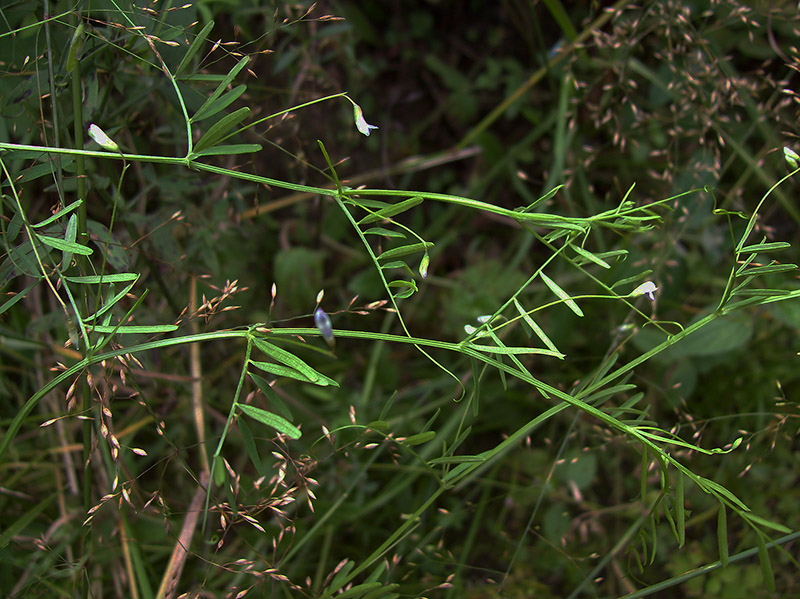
column 126, row 329
column 369, row 203
column 343, row 569
column 392, row 210
column 384, row 232
column 292, row 361
column 596, row 398
column 643, row 474
column 766, row 565
column 722, row 534
column 75, row 45
column 20, row 295
column 764, row 270
column 714, row 487
column 64, row 245
column 115, row 252
column 590, row 257
column 279, row 424
column 223, row 85
column 633, row 279
column 379, row 570
column 281, row 370
column 561, row 17
column 18, row 525
column 229, row 150
column 220, row 129
column 194, row 47
column 250, row 446
column 44, row 168
column 765, row 247
column 514, row 351
column 397, row 264
column 220, row 472
column 403, row 294
column 680, row 513
column 457, row 459
column 70, row 235
column 109, row 303
column 386, row 592
column 537, row 330
column 407, row 288
column 420, row 438
column 359, row 590
column 13, row 228
column 562, row 295
column 119, row 277
column 20, row 260
column 769, row 524
column 766, row 293
column 617, row 255
column 271, row 396
column 54, row 217
column 538, row 201
column 405, row 250
column 220, row 103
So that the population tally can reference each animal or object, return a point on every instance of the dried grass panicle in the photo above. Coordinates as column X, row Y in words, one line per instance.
column 662, row 84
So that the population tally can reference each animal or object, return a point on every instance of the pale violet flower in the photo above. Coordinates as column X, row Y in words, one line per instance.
column 323, row 323
column 647, row 289
column 97, row 134
column 361, row 124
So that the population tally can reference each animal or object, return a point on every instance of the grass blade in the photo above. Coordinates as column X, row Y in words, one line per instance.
column 722, row 534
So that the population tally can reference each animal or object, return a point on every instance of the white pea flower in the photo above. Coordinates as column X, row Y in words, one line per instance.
column 97, row 134
column 791, row 157
column 647, row 289
column 361, row 124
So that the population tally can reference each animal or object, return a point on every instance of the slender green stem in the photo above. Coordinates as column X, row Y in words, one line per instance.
column 80, row 167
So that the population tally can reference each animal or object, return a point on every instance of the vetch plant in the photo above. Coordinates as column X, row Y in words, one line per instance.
column 289, row 452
